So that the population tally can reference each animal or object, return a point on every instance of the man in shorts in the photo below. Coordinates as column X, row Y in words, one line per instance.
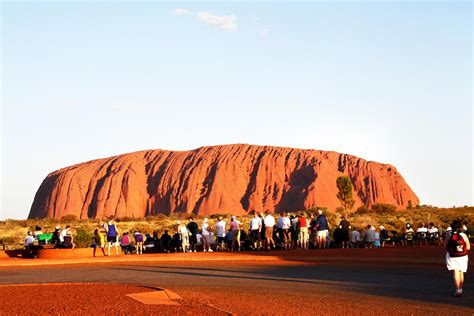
column 322, row 229
column 255, row 229
column 269, row 223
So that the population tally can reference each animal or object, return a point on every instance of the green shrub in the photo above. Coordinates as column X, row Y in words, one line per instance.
column 83, row 238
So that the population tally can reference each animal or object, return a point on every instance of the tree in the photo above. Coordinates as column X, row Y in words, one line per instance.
column 344, row 185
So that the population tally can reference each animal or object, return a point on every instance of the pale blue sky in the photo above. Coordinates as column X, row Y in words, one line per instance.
column 390, row 82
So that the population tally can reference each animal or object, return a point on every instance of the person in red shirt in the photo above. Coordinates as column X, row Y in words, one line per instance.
column 303, row 229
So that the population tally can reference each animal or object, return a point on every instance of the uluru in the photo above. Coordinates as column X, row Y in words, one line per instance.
column 234, row 179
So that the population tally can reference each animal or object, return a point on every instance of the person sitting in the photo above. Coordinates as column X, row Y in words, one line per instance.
column 433, row 234
column 149, row 243
column 384, row 236
column 125, row 244
column 68, row 241
column 422, row 234
column 409, row 236
column 56, row 238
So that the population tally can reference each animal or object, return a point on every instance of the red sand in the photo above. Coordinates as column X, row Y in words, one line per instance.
column 82, row 299
column 266, row 297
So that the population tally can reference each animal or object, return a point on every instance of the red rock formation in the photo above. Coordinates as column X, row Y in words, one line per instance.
column 220, row 179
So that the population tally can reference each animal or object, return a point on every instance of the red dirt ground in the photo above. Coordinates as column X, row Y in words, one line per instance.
column 359, row 281
column 83, row 299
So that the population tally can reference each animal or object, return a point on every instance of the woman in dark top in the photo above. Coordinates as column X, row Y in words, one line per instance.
column 112, row 233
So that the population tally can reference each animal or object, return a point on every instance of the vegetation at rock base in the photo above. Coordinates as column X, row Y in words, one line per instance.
column 13, row 232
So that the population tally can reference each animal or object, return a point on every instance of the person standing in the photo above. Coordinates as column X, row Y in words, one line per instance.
column 284, row 229
column 269, row 223
column 193, row 229
column 206, row 235
column 345, row 226
column 183, row 236
column 235, row 233
column 322, row 228
column 255, row 229
column 303, row 236
column 112, row 233
column 221, row 232
column 457, row 247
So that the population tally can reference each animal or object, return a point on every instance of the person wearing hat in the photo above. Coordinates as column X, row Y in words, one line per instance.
column 206, row 235
column 384, row 236
column 409, row 235
column 184, row 236
column 55, row 239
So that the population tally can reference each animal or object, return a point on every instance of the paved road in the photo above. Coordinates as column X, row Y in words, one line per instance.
column 278, row 286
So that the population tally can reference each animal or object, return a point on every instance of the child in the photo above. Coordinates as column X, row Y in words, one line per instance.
column 98, row 241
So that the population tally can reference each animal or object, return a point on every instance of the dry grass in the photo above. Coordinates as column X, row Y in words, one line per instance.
column 13, row 232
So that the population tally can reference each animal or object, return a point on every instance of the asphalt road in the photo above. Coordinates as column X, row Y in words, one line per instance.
column 364, row 284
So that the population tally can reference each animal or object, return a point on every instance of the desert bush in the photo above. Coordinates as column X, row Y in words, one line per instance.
column 381, row 208
column 83, row 237
column 362, row 210
column 125, row 219
column 69, row 218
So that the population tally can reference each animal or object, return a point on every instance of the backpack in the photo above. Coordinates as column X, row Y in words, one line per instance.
column 456, row 245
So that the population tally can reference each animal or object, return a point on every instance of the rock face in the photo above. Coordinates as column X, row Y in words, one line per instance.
column 220, row 179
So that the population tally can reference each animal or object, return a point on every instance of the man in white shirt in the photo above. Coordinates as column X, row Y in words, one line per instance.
column 221, row 233
column 30, row 239
column 64, row 233
column 255, row 229
column 269, row 222
column 283, row 227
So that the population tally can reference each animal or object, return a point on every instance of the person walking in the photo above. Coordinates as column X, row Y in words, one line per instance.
column 457, row 247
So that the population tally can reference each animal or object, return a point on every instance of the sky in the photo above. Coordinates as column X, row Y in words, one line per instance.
column 386, row 81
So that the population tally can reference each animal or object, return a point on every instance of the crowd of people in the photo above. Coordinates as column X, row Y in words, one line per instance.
column 266, row 231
